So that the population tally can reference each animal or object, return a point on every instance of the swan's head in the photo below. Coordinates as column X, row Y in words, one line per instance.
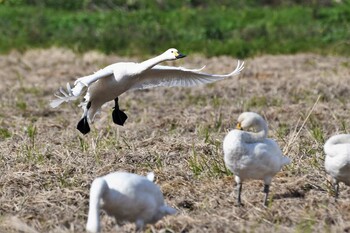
column 250, row 120
column 173, row 54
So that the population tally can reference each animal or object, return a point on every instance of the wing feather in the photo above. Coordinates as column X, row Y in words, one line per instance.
column 168, row 76
column 86, row 81
column 72, row 93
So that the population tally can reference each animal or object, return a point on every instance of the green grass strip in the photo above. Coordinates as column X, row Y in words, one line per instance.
column 214, row 31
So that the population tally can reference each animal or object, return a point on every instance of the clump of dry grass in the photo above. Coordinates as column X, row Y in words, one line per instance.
column 47, row 166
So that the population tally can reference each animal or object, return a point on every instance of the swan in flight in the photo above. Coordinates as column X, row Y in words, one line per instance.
column 337, row 162
column 127, row 197
column 250, row 155
column 110, row 82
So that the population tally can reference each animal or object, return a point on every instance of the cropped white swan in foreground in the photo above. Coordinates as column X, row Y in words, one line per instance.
column 110, row 82
column 337, row 162
column 250, row 155
column 127, row 197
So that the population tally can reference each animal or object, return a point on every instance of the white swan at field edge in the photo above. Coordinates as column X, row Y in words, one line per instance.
column 127, row 197
column 250, row 155
column 110, row 82
column 337, row 162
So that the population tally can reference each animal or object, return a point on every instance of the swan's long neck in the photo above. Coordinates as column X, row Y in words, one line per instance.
column 329, row 146
column 148, row 64
column 260, row 135
column 98, row 187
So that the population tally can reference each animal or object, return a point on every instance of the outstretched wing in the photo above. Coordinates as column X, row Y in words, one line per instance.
column 169, row 76
column 72, row 93
column 86, row 81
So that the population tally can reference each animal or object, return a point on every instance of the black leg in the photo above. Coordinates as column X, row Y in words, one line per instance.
column 336, row 189
column 266, row 191
column 83, row 124
column 119, row 117
column 239, row 190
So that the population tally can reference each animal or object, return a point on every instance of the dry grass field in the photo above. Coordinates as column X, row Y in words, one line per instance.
column 47, row 166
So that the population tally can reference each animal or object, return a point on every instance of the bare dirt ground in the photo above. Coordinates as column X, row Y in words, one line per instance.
column 47, row 166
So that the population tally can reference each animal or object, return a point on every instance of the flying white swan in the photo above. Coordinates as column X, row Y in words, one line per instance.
column 337, row 162
column 110, row 82
column 127, row 197
column 250, row 155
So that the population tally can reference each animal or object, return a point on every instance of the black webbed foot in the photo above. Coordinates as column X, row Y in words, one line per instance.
column 83, row 126
column 119, row 117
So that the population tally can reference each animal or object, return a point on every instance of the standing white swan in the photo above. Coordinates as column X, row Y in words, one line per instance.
column 127, row 197
column 337, row 162
column 250, row 155
column 110, row 82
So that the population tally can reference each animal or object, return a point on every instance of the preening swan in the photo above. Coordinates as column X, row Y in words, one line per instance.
column 250, row 155
column 127, row 197
column 337, row 162
column 110, row 82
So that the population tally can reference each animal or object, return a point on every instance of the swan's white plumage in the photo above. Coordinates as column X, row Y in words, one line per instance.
column 127, row 197
column 337, row 162
column 150, row 176
column 110, row 82
column 168, row 76
column 250, row 155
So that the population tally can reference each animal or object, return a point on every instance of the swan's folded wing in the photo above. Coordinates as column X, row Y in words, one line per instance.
column 169, row 76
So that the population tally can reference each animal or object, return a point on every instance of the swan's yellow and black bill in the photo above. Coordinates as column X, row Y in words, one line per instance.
column 179, row 55
column 238, row 126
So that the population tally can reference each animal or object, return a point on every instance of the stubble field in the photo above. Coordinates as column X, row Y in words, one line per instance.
column 47, row 166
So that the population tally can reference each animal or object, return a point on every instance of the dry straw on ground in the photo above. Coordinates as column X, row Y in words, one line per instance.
column 47, row 166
